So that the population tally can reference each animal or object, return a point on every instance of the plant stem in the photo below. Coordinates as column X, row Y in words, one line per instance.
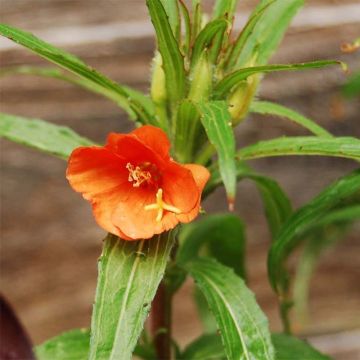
column 161, row 322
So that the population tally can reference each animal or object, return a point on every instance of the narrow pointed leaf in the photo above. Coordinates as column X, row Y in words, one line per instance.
column 206, row 37
column 170, row 52
column 216, row 120
column 211, row 231
column 245, row 33
column 276, row 203
column 75, row 65
column 345, row 147
column 187, row 25
column 129, row 275
column 41, row 135
column 269, row 108
column 222, row 89
column 243, row 326
column 172, row 10
column 267, row 34
column 59, row 74
column 225, row 8
column 290, row 237
column 209, row 347
column 72, row 345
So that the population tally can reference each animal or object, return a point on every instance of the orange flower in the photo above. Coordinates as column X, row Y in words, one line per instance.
column 135, row 188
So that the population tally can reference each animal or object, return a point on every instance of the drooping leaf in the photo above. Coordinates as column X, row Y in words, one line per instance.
column 169, row 48
column 290, row 237
column 324, row 234
column 222, row 234
column 41, row 135
column 289, row 347
column 205, row 347
column 225, row 8
column 222, row 89
column 72, row 345
column 209, row 347
column 345, row 147
column 276, row 203
column 267, row 33
column 129, row 274
column 216, row 120
column 59, row 74
column 206, row 37
column 269, row 108
column 91, row 77
column 242, row 325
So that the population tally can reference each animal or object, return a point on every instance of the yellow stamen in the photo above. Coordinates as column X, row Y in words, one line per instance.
column 137, row 175
column 160, row 206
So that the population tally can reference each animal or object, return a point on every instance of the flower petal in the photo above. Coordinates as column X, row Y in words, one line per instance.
column 179, row 187
column 135, row 222
column 201, row 176
column 155, row 138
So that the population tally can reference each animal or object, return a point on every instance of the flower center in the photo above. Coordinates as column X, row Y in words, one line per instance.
column 139, row 174
column 161, row 205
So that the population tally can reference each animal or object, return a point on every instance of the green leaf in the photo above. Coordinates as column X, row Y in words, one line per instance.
column 352, row 87
column 129, row 274
column 217, row 123
column 276, row 204
column 322, row 235
column 236, row 48
column 243, row 327
column 172, row 59
column 225, row 8
column 206, row 37
column 222, row 234
column 187, row 23
column 266, row 35
column 289, row 347
column 172, row 10
column 345, row 147
column 55, row 73
column 209, row 347
column 206, row 347
column 222, row 89
column 269, row 108
column 92, row 78
column 71, row 345
column 290, row 237
column 41, row 135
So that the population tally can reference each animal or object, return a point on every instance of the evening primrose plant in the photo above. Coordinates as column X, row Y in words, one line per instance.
column 146, row 187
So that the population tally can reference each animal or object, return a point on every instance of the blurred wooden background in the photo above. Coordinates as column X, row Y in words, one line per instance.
column 49, row 241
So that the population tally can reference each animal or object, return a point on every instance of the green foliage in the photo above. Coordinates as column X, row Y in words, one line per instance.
column 223, row 237
column 91, row 77
column 352, row 86
column 289, row 347
column 170, row 52
column 299, row 223
column 72, row 345
column 242, row 325
column 276, row 203
column 345, row 147
column 269, row 108
column 222, row 89
column 209, row 347
column 41, row 135
column 129, row 274
column 217, row 123
column 224, row 8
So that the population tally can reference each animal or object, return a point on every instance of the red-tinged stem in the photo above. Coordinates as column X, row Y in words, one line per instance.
column 160, row 322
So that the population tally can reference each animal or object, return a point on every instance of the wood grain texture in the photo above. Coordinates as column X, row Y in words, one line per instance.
column 50, row 242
